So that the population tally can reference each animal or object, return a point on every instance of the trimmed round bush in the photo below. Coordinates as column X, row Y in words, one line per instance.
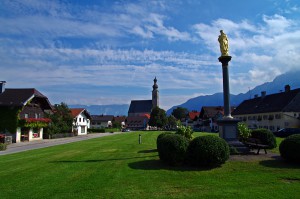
column 161, row 136
column 289, row 148
column 207, row 151
column 172, row 148
column 265, row 136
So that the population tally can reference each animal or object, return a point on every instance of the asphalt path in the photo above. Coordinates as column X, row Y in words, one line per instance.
column 26, row 146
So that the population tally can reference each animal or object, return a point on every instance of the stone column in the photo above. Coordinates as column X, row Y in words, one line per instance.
column 226, row 91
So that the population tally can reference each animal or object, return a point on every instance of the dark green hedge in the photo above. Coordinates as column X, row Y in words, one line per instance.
column 208, row 151
column 290, row 148
column 265, row 136
column 172, row 148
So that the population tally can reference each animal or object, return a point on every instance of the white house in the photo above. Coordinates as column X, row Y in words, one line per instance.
column 81, row 121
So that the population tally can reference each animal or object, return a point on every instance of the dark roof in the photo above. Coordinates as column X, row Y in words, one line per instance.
column 279, row 102
column 136, row 120
column 140, row 106
column 211, row 111
column 19, row 97
column 120, row 119
column 102, row 118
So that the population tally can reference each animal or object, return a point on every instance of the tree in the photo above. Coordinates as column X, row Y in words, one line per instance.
column 172, row 122
column 158, row 117
column 61, row 120
column 180, row 113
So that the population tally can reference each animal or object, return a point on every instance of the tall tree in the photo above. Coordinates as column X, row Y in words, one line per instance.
column 180, row 113
column 158, row 117
column 61, row 119
column 172, row 122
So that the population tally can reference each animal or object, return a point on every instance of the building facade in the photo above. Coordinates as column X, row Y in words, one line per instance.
column 273, row 112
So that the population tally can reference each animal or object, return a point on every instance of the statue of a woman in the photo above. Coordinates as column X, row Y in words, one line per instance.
column 224, row 47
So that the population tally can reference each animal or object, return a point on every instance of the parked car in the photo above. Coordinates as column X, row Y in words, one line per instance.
column 287, row 132
column 125, row 130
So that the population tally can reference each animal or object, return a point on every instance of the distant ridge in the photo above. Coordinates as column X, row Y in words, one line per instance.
column 277, row 85
column 114, row 109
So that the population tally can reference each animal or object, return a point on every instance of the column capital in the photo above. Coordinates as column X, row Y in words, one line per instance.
column 224, row 60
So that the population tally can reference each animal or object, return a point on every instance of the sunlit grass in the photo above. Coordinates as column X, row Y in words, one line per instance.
column 118, row 167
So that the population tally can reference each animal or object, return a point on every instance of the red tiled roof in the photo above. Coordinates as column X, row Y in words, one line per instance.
column 76, row 111
column 192, row 115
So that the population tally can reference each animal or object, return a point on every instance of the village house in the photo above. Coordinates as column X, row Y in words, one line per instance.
column 273, row 112
column 138, row 122
column 101, row 121
column 81, row 121
column 22, row 113
column 120, row 120
column 209, row 115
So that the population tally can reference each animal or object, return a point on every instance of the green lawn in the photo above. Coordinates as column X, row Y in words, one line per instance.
column 118, row 167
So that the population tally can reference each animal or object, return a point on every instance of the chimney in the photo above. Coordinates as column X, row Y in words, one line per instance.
column 2, row 86
column 263, row 94
column 287, row 88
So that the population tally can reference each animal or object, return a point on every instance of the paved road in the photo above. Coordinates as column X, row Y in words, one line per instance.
column 26, row 146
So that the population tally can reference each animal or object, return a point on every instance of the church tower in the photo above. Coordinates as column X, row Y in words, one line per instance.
column 155, row 95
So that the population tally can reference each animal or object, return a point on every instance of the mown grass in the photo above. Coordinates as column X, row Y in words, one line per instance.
column 118, row 167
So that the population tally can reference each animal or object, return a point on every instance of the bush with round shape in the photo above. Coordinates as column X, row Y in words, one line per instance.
column 265, row 136
column 289, row 148
column 172, row 149
column 207, row 151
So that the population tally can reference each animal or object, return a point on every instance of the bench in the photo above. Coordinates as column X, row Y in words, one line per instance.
column 254, row 143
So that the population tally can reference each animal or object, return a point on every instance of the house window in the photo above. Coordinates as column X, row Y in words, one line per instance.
column 265, row 117
column 26, row 115
column 79, row 119
column 277, row 116
column 83, row 119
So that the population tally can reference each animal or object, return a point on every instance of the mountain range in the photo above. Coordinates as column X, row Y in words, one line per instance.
column 277, row 85
column 114, row 109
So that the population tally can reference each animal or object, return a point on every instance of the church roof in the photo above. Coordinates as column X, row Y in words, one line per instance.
column 140, row 106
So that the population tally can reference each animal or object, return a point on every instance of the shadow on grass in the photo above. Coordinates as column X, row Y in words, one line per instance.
column 159, row 165
column 104, row 160
column 278, row 162
column 148, row 151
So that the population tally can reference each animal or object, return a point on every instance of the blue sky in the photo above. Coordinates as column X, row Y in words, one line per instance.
column 108, row 52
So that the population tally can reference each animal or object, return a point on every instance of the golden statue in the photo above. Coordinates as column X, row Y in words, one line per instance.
column 224, row 47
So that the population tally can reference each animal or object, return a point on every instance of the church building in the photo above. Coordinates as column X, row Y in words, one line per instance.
column 144, row 107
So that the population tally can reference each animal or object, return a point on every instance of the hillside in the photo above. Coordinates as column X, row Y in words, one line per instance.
column 277, row 85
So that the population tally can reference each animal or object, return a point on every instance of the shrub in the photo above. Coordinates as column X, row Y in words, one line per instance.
column 265, row 136
column 244, row 131
column 289, row 148
column 3, row 146
column 172, row 148
column 207, row 151
column 185, row 132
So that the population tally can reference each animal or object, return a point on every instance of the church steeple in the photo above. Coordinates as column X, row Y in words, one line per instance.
column 155, row 94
